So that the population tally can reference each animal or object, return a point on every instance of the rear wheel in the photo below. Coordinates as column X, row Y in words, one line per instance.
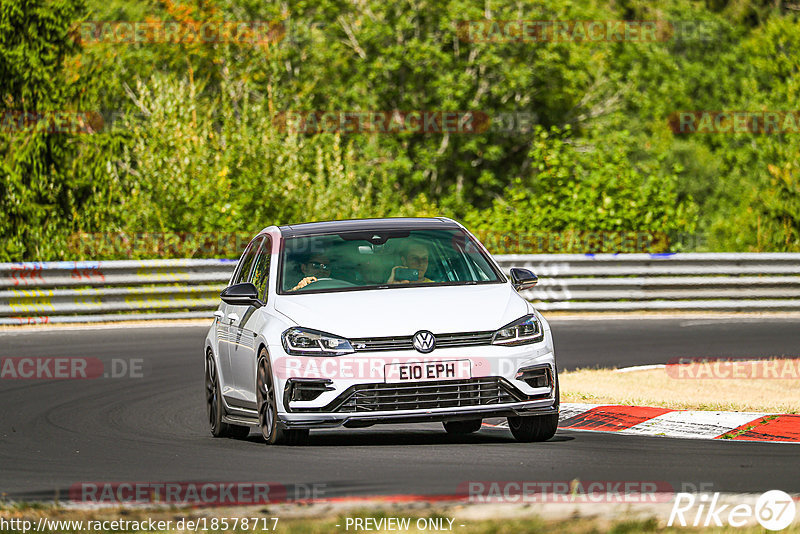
column 219, row 429
column 271, row 431
column 463, row 427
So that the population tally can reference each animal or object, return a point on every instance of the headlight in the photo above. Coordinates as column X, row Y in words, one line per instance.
column 522, row 331
column 306, row 342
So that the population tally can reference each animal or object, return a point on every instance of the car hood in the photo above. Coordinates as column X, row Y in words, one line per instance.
column 404, row 311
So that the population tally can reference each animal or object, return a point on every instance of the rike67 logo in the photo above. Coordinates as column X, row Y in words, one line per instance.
column 774, row 510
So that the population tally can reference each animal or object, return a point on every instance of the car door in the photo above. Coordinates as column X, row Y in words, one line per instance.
column 242, row 331
column 228, row 317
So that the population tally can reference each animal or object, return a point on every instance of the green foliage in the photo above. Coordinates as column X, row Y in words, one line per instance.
column 572, row 188
column 39, row 190
column 192, row 163
column 190, row 144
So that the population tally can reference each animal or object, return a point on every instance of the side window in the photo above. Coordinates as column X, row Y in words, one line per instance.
column 246, row 262
column 261, row 269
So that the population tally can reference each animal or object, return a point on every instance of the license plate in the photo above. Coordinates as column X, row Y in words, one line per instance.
column 427, row 371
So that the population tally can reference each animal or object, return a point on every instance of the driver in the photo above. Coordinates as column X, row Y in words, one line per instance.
column 415, row 256
column 317, row 266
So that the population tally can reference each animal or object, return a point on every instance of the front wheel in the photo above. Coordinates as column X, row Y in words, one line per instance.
column 536, row 427
column 533, row 427
column 271, row 431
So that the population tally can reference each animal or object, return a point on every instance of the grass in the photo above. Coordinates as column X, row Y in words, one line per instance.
column 315, row 520
column 685, row 387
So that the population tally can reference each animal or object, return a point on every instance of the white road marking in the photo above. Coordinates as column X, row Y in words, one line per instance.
column 640, row 368
column 693, row 424
column 571, row 409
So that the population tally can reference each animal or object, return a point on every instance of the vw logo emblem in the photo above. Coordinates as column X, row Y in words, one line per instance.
column 424, row 341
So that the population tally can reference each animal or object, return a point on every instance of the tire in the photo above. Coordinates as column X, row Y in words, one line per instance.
column 462, row 427
column 214, row 407
column 533, row 427
column 271, row 431
column 536, row 427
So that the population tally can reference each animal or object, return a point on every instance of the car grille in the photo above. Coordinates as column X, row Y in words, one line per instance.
column 461, row 339
column 428, row 395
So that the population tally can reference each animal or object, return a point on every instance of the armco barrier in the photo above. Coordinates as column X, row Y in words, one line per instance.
column 53, row 292
column 90, row 291
column 691, row 281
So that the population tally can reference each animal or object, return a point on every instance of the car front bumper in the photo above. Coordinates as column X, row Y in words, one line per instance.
column 330, row 420
column 494, row 389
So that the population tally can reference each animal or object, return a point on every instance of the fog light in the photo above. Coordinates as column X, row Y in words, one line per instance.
column 307, row 389
column 535, row 377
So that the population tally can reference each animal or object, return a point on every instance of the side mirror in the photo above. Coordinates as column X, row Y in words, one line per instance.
column 523, row 279
column 244, row 294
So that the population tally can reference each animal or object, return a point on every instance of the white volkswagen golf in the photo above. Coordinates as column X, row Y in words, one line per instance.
column 353, row 323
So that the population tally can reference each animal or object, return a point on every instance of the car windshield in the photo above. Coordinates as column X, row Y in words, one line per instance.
column 383, row 259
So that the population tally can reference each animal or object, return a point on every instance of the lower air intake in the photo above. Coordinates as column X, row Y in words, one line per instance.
column 428, row 395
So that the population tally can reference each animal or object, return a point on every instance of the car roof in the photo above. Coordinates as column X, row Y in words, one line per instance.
column 355, row 225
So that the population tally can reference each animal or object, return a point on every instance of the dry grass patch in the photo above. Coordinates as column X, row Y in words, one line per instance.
column 694, row 386
column 325, row 519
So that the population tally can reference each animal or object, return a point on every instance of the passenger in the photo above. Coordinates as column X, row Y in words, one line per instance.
column 315, row 267
column 415, row 256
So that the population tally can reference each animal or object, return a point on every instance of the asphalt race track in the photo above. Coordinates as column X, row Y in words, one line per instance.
column 628, row 342
column 56, row 433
